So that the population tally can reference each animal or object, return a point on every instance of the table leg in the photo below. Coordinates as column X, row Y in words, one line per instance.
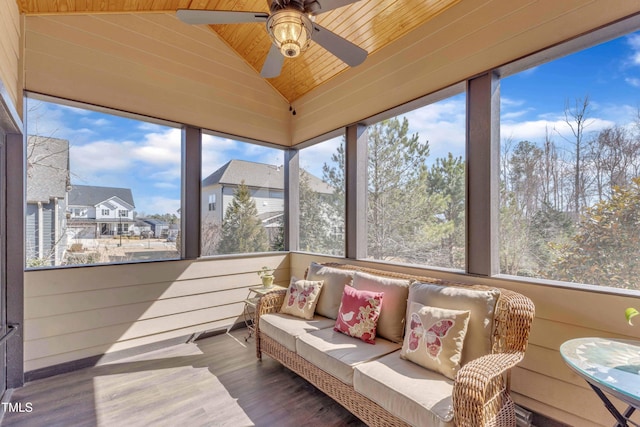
column 622, row 420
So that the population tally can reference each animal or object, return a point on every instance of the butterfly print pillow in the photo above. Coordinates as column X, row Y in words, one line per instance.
column 301, row 298
column 434, row 338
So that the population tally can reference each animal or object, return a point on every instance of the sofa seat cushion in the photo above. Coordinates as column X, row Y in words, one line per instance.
column 284, row 328
column 417, row 395
column 337, row 353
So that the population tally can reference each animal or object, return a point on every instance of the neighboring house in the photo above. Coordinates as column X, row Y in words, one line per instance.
column 47, row 186
column 142, row 229
column 265, row 182
column 100, row 211
column 159, row 228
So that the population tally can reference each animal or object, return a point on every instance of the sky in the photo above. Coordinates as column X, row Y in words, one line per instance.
column 108, row 150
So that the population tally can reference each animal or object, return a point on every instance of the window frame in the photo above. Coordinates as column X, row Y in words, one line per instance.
column 574, row 45
column 194, row 221
column 83, row 211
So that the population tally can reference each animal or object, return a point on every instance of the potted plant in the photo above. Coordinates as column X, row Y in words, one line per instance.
column 266, row 274
column 629, row 313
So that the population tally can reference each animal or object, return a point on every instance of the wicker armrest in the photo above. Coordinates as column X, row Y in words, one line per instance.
column 480, row 392
column 268, row 303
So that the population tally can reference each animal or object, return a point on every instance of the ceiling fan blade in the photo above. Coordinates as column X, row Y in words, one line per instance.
column 348, row 52
column 194, row 16
column 322, row 6
column 273, row 64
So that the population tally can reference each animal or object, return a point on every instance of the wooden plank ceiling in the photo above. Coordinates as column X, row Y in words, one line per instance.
column 371, row 24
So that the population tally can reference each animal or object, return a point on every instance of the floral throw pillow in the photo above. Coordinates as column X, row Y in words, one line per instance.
column 358, row 314
column 434, row 338
column 301, row 298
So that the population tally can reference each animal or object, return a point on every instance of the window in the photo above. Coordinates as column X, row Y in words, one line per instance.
column 322, row 197
column 416, row 186
column 570, row 168
column 242, row 177
column 81, row 162
column 212, row 202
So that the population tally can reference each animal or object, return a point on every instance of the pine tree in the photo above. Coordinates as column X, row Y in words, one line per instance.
column 315, row 229
column 242, row 231
column 396, row 208
column 446, row 182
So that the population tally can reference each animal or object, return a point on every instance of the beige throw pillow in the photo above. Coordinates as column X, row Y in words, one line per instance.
column 396, row 291
column 334, row 283
column 434, row 338
column 301, row 298
column 480, row 302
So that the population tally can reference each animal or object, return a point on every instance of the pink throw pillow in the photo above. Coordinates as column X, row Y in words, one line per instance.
column 358, row 314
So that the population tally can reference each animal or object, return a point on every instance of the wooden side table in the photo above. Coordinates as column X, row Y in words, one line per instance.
column 608, row 365
column 255, row 293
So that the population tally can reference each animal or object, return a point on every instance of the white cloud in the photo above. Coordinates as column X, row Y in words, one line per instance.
column 443, row 125
column 95, row 122
column 159, row 148
column 634, row 42
column 536, row 130
column 215, row 152
column 166, row 185
column 313, row 158
column 94, row 158
column 509, row 102
column 513, row 115
column 635, row 82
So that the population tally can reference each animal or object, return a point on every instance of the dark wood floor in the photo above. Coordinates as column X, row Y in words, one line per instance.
column 213, row 382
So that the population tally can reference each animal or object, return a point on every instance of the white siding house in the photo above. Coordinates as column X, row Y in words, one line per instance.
column 100, row 211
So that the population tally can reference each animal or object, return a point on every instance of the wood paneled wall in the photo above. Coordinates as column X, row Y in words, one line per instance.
column 542, row 382
column 10, row 52
column 468, row 39
column 154, row 65
column 74, row 313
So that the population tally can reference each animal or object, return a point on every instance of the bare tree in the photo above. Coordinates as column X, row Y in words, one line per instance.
column 577, row 118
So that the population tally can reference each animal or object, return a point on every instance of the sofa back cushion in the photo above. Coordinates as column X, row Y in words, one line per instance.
column 394, row 305
column 481, row 303
column 334, row 283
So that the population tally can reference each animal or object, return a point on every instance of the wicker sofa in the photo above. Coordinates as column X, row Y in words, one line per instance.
column 381, row 388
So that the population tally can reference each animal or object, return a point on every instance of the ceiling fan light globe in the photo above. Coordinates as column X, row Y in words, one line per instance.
column 290, row 30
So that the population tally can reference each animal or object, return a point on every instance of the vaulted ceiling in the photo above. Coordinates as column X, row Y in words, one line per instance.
column 370, row 24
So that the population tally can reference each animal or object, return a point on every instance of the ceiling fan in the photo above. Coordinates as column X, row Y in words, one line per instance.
column 291, row 27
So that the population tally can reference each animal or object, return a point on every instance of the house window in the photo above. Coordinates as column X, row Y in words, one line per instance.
column 246, row 176
column 416, row 186
column 570, row 168
column 121, row 165
column 322, row 197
